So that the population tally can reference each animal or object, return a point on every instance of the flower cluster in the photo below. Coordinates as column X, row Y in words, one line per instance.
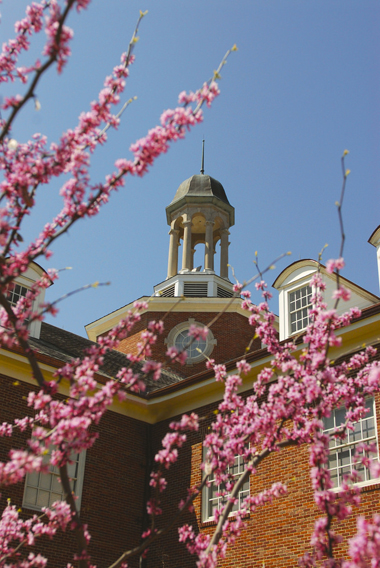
column 15, row 532
column 290, row 399
column 65, row 427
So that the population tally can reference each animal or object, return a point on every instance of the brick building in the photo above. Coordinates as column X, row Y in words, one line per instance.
column 112, row 478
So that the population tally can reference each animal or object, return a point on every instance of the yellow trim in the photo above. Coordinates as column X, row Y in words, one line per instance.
column 192, row 395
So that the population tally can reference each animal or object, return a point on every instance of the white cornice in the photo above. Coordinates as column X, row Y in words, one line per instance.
column 160, row 304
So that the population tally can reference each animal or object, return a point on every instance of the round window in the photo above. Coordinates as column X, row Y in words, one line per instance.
column 197, row 349
column 194, row 347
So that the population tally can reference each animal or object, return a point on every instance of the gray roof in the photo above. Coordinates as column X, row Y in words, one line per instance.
column 66, row 346
column 201, row 186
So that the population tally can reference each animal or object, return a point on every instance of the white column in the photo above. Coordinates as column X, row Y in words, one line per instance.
column 192, row 258
column 186, row 254
column 224, row 244
column 173, row 253
column 209, row 246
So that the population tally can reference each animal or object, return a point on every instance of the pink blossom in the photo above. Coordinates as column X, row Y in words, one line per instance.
column 243, row 367
column 342, row 293
column 337, row 264
column 177, row 356
column 198, row 332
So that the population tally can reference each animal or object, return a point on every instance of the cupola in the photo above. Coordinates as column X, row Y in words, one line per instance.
column 200, row 213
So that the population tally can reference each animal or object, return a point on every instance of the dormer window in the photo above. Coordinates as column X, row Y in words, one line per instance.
column 15, row 292
column 299, row 306
column 295, row 295
column 20, row 288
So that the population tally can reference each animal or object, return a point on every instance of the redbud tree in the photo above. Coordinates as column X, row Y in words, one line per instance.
column 288, row 400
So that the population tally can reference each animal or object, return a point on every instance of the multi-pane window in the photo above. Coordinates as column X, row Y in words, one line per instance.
column 299, row 306
column 42, row 489
column 192, row 346
column 213, row 497
column 15, row 292
column 342, row 451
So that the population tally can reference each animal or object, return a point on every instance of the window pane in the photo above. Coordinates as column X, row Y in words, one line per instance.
column 72, row 469
column 56, row 485
column 193, row 347
column 299, row 305
column 356, row 435
column 45, row 481
column 43, row 499
column 340, row 416
column 369, row 428
column 332, row 460
column 214, row 494
column 33, row 478
column 342, row 450
column 31, row 496
column 344, row 458
column 328, row 422
column 369, row 405
column 55, row 497
column 41, row 490
column 15, row 292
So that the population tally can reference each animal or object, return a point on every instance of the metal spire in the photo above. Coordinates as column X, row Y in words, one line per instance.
column 203, row 158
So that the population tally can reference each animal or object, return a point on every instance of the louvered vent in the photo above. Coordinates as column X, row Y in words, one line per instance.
column 168, row 292
column 222, row 293
column 198, row 290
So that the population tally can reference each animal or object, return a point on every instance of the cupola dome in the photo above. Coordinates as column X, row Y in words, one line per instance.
column 201, row 185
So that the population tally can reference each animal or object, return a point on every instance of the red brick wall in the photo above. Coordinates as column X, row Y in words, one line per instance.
column 112, row 498
column 232, row 332
column 276, row 535
column 112, row 502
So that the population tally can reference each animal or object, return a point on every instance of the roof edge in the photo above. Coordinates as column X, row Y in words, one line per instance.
column 372, row 239
column 311, row 262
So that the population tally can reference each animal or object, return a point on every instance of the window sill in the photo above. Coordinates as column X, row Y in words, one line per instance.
column 212, row 522
column 31, row 507
column 364, row 486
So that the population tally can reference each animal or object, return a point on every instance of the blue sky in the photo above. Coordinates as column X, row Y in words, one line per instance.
column 303, row 86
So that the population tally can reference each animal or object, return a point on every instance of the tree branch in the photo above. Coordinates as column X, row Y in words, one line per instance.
column 78, row 526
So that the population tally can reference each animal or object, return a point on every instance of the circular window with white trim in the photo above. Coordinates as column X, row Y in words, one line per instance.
column 198, row 349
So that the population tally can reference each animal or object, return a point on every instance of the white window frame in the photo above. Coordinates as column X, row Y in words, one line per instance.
column 12, row 290
column 26, row 283
column 307, row 306
column 209, row 493
column 48, row 484
column 342, row 451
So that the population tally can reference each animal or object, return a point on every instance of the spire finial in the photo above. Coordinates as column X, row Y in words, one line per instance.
column 203, row 158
